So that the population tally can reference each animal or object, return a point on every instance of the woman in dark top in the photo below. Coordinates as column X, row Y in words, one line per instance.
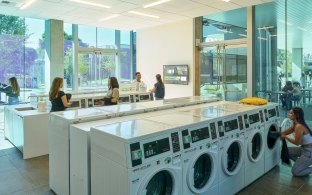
column 112, row 96
column 159, row 88
column 57, row 97
column 12, row 91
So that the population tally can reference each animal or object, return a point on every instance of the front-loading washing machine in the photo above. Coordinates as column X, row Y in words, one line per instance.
column 255, row 139
column 136, row 157
column 231, row 154
column 272, row 152
column 200, row 159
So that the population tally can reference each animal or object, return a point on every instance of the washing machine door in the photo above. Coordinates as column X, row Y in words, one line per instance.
column 202, row 172
column 232, row 157
column 255, row 146
column 160, row 182
column 272, row 136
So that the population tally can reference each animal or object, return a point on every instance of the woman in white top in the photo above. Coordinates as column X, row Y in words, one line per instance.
column 302, row 136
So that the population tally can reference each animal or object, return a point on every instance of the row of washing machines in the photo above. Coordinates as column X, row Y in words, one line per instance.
column 218, row 148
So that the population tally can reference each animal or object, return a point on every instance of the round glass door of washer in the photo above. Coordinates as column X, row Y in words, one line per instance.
column 160, row 184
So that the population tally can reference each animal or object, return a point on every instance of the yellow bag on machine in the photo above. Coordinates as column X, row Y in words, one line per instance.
column 254, row 101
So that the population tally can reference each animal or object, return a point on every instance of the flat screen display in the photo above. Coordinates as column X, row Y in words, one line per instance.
column 176, row 74
column 254, row 118
column 156, row 147
column 272, row 112
column 230, row 125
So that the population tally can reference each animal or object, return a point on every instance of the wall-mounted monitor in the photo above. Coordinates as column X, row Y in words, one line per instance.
column 176, row 74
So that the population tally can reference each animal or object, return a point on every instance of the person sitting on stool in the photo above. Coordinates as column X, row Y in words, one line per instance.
column 294, row 95
column 285, row 97
column 12, row 90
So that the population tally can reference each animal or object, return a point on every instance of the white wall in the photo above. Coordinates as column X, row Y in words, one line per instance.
column 166, row 44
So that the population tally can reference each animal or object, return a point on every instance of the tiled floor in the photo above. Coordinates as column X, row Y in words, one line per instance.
column 23, row 177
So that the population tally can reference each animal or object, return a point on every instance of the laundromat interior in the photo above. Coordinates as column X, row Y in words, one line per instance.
column 199, row 139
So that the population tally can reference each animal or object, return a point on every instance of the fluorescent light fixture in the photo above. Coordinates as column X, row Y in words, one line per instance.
column 143, row 14
column 226, row 0
column 242, row 35
column 90, row 3
column 109, row 17
column 273, row 35
column 262, row 38
column 156, row 3
column 27, row 4
column 265, row 27
column 303, row 29
column 288, row 23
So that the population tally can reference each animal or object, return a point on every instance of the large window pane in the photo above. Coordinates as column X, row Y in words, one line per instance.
column 87, row 36
column 125, row 56
column 68, row 55
column 105, row 38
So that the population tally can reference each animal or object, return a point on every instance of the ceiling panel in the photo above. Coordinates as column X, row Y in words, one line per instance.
column 72, row 12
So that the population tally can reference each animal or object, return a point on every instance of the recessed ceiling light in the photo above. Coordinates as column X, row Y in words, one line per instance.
column 226, row 0
column 91, row 3
column 143, row 14
column 109, row 17
column 27, row 4
column 155, row 3
column 242, row 35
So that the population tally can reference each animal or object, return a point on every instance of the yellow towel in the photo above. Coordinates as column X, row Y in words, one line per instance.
column 254, row 101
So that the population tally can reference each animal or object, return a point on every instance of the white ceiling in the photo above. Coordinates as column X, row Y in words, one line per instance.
column 71, row 12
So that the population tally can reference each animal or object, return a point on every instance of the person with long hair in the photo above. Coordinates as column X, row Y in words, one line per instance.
column 302, row 136
column 112, row 96
column 12, row 90
column 159, row 88
column 57, row 97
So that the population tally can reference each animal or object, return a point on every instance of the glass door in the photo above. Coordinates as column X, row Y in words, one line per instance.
column 224, row 69
column 94, row 68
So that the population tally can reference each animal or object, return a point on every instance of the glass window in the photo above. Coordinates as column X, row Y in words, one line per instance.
column 87, row 36
column 22, row 53
column 125, row 56
column 68, row 55
column 105, row 38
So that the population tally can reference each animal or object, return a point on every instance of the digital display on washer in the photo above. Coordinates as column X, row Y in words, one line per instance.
column 156, row 147
column 90, row 103
column 75, row 104
column 246, row 121
column 230, row 125
column 83, row 103
column 144, row 97
column 199, row 134
column 175, row 142
column 123, row 99
column 213, row 130
column 240, row 122
column 254, row 118
column 277, row 112
column 266, row 114
column 272, row 112
column 220, row 129
column 261, row 116
column 186, row 139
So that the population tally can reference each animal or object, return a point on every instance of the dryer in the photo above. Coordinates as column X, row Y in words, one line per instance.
column 136, row 157
column 231, row 155
column 200, row 159
column 272, row 152
column 255, row 140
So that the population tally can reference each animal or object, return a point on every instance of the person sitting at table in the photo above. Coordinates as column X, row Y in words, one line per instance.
column 285, row 96
column 294, row 95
